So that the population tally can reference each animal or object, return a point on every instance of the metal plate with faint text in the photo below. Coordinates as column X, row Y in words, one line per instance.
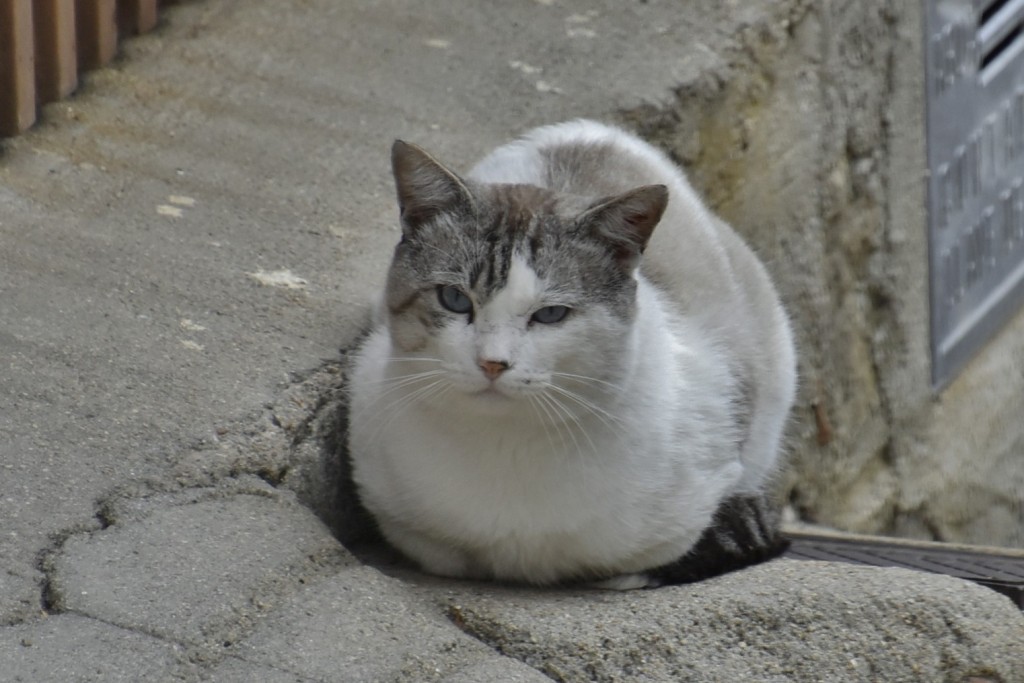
column 974, row 62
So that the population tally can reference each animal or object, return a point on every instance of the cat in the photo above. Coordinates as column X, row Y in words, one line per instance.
column 555, row 391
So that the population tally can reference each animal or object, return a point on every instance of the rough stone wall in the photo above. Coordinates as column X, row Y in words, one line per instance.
column 814, row 149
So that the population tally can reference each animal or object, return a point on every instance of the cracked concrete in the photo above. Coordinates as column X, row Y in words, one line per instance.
column 240, row 578
column 219, row 564
column 169, row 479
column 742, row 627
column 41, row 651
column 20, row 598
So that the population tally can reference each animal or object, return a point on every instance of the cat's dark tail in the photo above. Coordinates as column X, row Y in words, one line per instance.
column 744, row 531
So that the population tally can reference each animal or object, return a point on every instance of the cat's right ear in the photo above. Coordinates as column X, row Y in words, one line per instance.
column 425, row 187
column 625, row 222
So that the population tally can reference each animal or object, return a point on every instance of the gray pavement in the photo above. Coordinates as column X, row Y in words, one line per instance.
column 184, row 247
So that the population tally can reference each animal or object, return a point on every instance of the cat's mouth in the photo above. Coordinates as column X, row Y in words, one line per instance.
column 496, row 396
column 489, row 401
column 491, row 393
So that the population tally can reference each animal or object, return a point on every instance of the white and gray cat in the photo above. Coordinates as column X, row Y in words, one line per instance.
column 554, row 390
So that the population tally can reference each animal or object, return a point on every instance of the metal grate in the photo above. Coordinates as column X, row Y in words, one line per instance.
column 1003, row 572
column 975, row 132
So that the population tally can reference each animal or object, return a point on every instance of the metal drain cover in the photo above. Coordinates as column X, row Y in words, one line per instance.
column 1000, row 571
column 975, row 133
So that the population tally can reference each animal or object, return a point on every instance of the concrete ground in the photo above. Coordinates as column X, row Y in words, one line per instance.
column 184, row 247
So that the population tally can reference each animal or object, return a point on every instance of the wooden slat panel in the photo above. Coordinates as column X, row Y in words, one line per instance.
column 45, row 44
column 17, row 67
column 136, row 16
column 97, row 32
column 56, row 57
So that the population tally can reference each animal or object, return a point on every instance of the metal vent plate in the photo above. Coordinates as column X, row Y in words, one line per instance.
column 974, row 68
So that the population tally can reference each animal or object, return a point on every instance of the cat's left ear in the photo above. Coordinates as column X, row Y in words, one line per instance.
column 625, row 222
column 425, row 187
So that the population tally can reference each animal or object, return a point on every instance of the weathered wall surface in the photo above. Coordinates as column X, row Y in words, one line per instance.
column 814, row 149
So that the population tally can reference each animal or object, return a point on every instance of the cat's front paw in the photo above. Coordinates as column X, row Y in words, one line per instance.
column 626, row 582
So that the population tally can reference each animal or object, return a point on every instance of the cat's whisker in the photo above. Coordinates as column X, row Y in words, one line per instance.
column 378, row 416
column 535, row 401
column 437, row 390
column 579, row 424
column 391, row 381
column 413, row 395
column 540, row 418
column 388, row 413
column 397, row 382
column 584, row 472
column 399, row 359
column 562, row 411
column 600, row 384
column 393, row 385
column 556, row 419
column 606, row 418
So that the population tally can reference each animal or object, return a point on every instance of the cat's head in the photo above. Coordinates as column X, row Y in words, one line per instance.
column 513, row 291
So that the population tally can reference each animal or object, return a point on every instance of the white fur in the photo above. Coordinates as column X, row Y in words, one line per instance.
column 516, row 480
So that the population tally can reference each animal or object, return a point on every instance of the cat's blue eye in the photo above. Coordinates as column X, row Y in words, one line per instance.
column 454, row 299
column 550, row 314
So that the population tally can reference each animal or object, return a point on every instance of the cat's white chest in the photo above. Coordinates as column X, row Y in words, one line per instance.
column 517, row 505
column 493, row 479
column 510, row 497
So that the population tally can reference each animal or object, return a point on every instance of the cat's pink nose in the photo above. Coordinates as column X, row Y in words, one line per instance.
column 493, row 368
